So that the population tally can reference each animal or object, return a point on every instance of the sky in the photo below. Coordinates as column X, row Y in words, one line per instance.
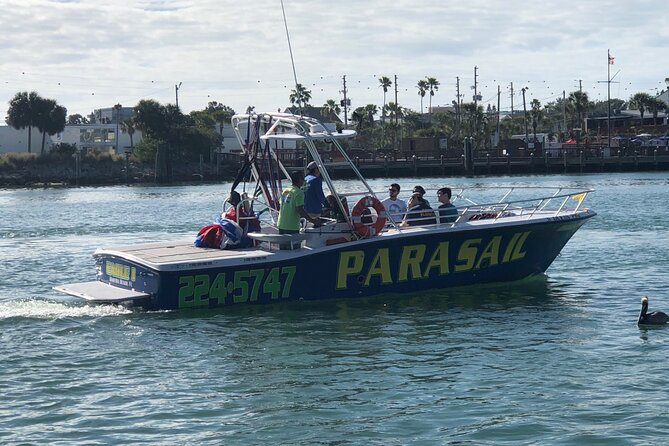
column 93, row 54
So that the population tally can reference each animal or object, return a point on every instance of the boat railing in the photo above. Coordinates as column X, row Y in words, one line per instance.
column 561, row 201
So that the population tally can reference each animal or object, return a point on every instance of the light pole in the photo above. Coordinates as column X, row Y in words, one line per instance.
column 527, row 136
column 117, row 107
column 176, row 92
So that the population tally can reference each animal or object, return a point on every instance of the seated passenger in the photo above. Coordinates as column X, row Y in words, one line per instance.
column 419, row 213
column 395, row 207
column 419, row 190
column 332, row 210
column 447, row 212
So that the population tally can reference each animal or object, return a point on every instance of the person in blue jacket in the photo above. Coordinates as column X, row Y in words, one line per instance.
column 314, row 198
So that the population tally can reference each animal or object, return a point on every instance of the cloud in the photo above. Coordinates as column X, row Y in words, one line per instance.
column 93, row 54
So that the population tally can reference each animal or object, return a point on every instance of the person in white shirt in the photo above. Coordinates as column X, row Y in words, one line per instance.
column 395, row 207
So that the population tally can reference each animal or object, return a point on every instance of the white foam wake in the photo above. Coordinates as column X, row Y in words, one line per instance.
column 48, row 309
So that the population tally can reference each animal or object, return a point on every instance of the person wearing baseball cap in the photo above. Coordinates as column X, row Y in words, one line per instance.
column 292, row 206
column 420, row 191
column 314, row 198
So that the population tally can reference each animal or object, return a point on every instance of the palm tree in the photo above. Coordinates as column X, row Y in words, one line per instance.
column 76, row 119
column 53, row 120
column 422, row 90
column 536, row 116
column 370, row 111
column 580, row 103
column 385, row 84
column 22, row 112
column 475, row 123
column 394, row 111
column 330, row 109
column 640, row 101
column 300, row 96
column 128, row 127
column 654, row 106
column 359, row 117
column 433, row 85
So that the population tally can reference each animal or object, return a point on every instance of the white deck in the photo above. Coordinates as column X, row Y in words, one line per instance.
column 100, row 292
column 178, row 255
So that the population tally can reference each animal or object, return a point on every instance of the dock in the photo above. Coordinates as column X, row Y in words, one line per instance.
column 501, row 165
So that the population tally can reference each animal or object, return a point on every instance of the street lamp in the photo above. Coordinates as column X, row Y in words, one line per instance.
column 176, row 92
column 117, row 107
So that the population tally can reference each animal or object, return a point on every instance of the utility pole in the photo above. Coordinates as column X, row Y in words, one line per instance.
column 476, row 94
column 118, row 108
column 458, row 99
column 511, row 99
column 499, row 95
column 176, row 93
column 397, row 111
column 564, row 110
column 476, row 108
column 345, row 103
column 397, row 107
column 578, row 106
column 457, row 104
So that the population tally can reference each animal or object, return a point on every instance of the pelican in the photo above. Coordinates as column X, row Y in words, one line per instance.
column 654, row 318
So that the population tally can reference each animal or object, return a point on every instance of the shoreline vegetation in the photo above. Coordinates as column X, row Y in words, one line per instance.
column 21, row 170
column 568, row 134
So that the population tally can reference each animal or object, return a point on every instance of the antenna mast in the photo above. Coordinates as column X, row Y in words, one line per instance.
column 292, row 61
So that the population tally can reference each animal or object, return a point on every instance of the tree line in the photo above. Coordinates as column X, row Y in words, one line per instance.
column 171, row 136
column 470, row 119
column 29, row 109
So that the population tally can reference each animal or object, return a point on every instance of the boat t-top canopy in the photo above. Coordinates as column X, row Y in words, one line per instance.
column 261, row 136
column 287, row 126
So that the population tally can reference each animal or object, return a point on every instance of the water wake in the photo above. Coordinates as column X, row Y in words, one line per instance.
column 49, row 309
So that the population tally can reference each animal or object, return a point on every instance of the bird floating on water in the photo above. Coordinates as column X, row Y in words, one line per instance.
column 654, row 318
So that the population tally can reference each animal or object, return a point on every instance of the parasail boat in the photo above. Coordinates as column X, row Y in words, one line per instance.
column 498, row 235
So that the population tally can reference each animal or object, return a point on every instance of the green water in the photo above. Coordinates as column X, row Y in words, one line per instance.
column 553, row 360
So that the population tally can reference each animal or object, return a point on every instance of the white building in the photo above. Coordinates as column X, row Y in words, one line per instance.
column 98, row 136
column 13, row 140
column 84, row 136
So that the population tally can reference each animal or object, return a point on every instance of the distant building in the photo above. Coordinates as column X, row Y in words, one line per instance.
column 98, row 136
column 16, row 140
column 111, row 115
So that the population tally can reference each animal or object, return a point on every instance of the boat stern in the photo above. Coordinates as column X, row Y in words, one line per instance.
column 119, row 281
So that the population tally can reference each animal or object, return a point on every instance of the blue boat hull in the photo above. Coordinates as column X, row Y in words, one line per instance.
column 408, row 263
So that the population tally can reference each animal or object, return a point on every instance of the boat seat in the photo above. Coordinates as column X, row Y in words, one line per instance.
column 276, row 242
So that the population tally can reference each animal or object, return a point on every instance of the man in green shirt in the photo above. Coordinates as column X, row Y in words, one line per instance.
column 292, row 207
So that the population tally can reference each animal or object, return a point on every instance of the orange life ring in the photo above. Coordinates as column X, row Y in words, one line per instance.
column 361, row 209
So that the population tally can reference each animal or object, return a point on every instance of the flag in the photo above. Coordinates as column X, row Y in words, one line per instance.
column 580, row 197
column 612, row 60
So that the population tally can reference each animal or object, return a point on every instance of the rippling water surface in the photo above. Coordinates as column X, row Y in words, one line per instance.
column 552, row 360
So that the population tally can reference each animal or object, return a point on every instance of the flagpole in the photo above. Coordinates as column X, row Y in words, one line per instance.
column 608, row 85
